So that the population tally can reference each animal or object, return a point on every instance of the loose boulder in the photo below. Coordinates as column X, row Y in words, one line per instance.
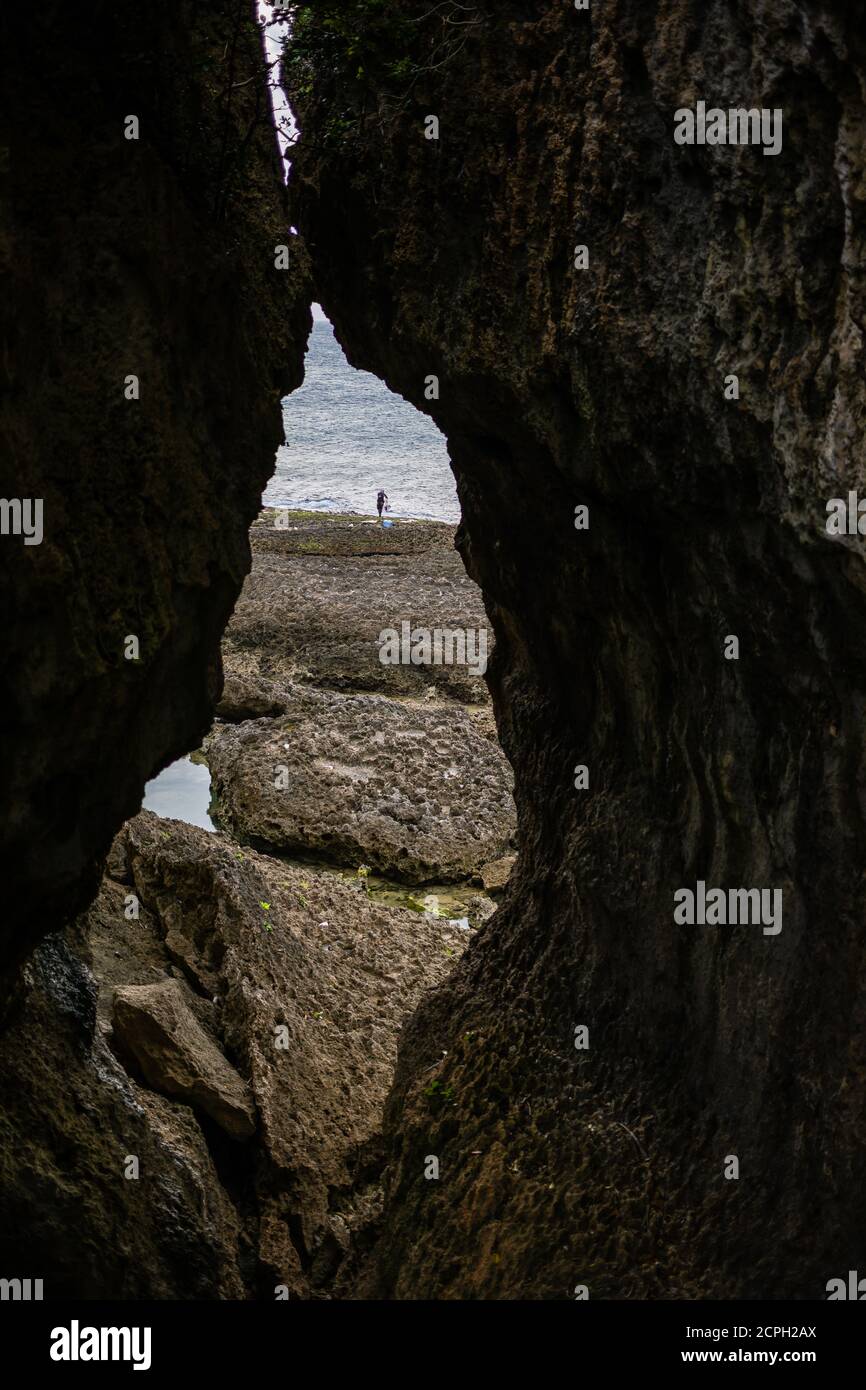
column 155, row 1025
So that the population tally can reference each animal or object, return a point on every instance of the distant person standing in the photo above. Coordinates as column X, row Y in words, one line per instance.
column 382, row 502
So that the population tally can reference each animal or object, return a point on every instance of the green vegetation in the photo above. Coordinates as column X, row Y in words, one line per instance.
column 359, row 60
column 359, row 45
column 439, row 1096
column 351, row 59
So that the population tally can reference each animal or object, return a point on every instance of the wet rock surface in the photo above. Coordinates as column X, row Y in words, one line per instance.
column 396, row 767
column 495, row 875
column 247, row 697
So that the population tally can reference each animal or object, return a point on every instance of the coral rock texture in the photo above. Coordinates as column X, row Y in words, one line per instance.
column 604, row 387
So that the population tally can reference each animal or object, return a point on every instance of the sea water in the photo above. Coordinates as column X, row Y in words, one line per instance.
column 347, row 436
column 181, row 792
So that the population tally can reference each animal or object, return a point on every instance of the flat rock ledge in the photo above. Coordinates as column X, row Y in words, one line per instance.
column 415, row 791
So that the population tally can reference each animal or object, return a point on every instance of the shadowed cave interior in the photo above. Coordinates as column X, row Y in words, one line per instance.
column 296, row 1159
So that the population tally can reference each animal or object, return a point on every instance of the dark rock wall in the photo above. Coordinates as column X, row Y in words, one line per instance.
column 152, row 257
column 605, row 387
column 128, row 1168
column 559, row 387
column 72, row 1205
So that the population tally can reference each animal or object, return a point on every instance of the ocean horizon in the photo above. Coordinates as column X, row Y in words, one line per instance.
column 347, row 435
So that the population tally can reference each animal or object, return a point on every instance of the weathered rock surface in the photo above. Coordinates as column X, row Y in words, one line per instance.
column 70, row 1120
column 320, row 593
column 152, row 259
column 248, row 698
column 154, row 1024
column 413, row 790
column 605, row 387
column 495, row 875
column 294, row 982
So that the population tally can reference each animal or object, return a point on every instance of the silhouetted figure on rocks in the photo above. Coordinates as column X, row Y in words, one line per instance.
column 382, row 501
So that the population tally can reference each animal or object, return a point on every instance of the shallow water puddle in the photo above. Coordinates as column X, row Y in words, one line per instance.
column 182, row 791
column 452, row 901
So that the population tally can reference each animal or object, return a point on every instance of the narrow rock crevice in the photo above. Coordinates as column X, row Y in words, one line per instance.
column 564, row 382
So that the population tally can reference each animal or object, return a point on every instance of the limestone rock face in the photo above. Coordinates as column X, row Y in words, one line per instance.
column 148, row 337
column 154, row 1024
column 245, row 987
column 72, row 1207
column 604, row 388
column 413, row 791
column 323, row 589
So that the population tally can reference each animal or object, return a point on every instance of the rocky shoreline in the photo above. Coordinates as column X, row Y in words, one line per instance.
column 232, row 1002
column 321, row 749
